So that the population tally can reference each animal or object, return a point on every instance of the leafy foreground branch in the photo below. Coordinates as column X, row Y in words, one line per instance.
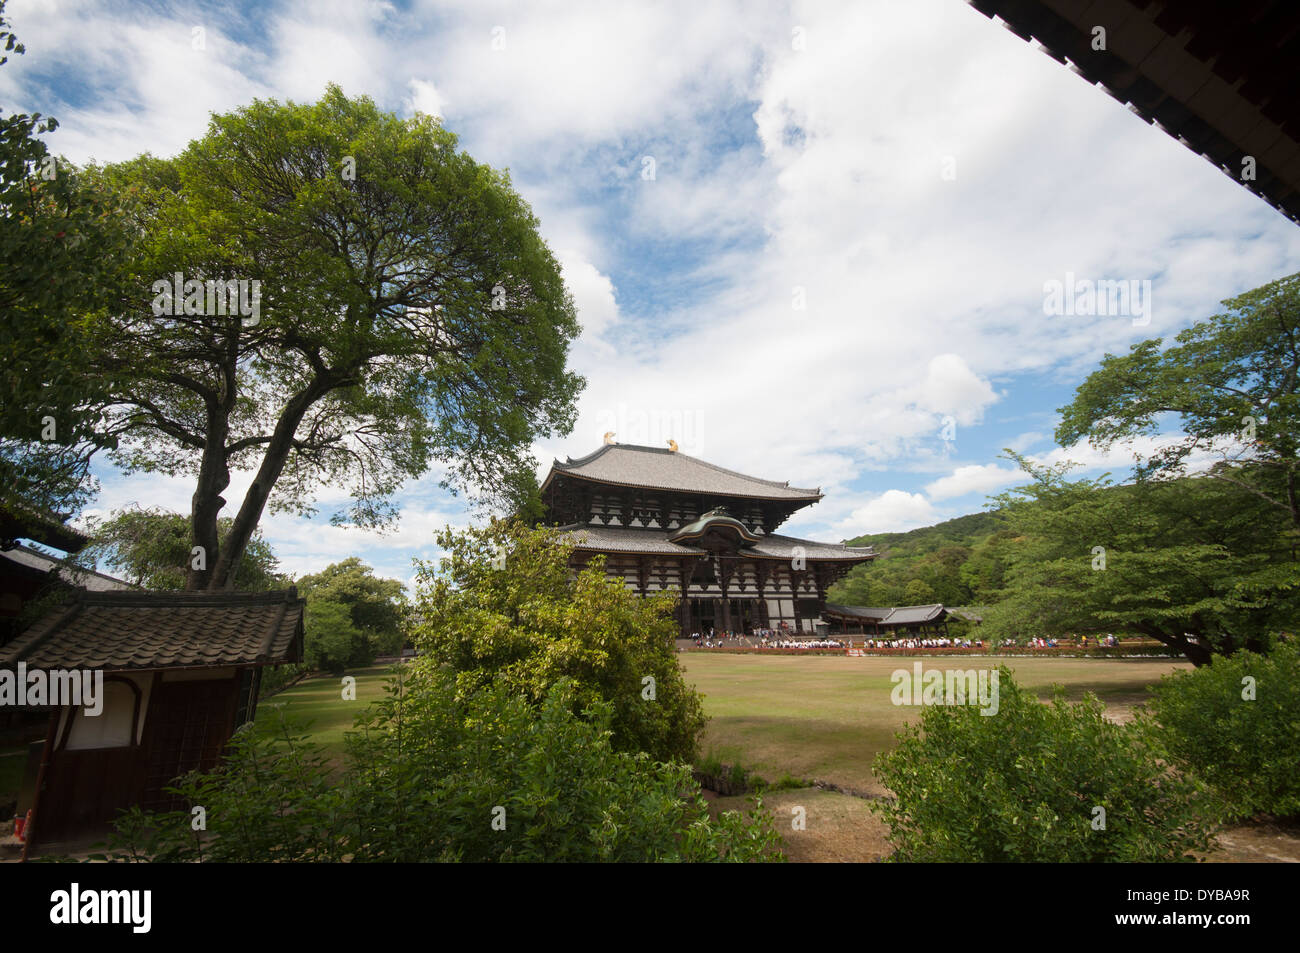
column 430, row 777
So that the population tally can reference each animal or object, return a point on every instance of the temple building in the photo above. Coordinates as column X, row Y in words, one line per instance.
column 665, row 521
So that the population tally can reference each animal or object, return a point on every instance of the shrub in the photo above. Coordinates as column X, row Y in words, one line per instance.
column 437, row 775
column 1247, row 750
column 788, row 782
column 276, row 677
column 1023, row 785
column 504, row 609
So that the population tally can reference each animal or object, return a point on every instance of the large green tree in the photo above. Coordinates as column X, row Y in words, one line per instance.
column 352, row 615
column 1192, row 563
column 61, row 246
column 1233, row 384
column 406, row 311
column 151, row 547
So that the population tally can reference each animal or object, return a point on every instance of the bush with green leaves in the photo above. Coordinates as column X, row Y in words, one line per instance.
column 277, row 677
column 1025, row 784
column 504, row 608
column 1236, row 724
column 437, row 775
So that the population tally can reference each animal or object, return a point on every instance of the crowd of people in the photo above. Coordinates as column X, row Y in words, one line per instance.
column 781, row 639
column 940, row 643
column 713, row 640
column 802, row 644
column 1101, row 641
column 760, row 638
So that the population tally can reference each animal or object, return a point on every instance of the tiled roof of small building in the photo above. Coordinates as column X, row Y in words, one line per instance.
column 899, row 615
column 663, row 469
column 116, row 631
column 868, row 613
column 909, row 615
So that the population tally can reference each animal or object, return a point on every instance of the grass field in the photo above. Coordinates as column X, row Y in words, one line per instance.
column 819, row 717
column 319, row 700
column 827, row 717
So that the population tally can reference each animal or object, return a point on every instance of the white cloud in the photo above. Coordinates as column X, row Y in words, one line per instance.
column 951, row 387
column 974, row 479
column 893, row 511
column 593, row 294
column 818, row 168
column 425, row 98
column 1022, row 442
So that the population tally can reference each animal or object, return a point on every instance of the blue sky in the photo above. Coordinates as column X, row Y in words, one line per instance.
column 911, row 173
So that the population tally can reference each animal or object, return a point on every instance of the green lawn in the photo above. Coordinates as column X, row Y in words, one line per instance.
column 826, row 717
column 319, row 700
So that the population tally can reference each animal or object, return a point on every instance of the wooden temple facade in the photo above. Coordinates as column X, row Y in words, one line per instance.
column 668, row 522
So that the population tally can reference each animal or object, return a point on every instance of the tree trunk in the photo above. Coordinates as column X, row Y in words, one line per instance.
column 273, row 461
column 1197, row 653
column 207, row 502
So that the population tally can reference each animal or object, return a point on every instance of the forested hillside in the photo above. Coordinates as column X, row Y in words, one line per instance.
column 957, row 562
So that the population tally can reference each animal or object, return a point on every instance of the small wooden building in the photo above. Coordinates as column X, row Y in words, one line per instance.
column 181, row 670
column 889, row 623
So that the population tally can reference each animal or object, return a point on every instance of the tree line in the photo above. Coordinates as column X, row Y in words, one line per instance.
column 1199, row 549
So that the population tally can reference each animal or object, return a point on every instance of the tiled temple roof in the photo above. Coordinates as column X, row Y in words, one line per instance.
column 619, row 539
column 662, row 469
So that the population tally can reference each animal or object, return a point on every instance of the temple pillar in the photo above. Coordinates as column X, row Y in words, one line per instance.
column 684, row 609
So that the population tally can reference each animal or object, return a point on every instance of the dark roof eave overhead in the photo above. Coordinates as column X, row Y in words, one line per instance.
column 1218, row 77
column 20, row 523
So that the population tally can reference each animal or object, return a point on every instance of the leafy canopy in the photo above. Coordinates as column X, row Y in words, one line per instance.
column 1233, row 383
column 352, row 615
column 151, row 548
column 959, row 561
column 62, row 242
column 1192, row 563
column 406, row 312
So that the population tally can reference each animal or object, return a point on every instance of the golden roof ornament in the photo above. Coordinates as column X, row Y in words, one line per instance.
column 609, row 438
column 672, row 445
